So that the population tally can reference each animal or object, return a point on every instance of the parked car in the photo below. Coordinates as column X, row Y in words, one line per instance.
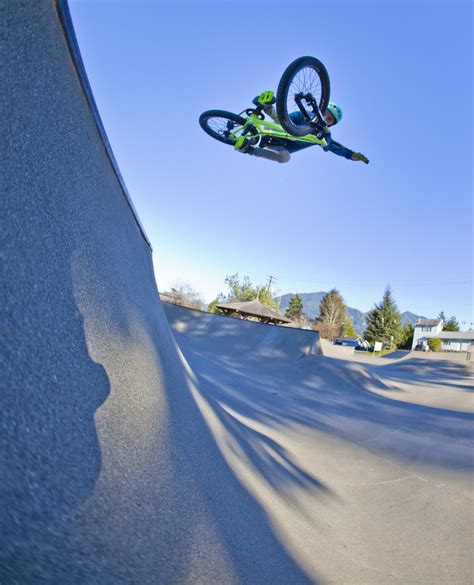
column 421, row 347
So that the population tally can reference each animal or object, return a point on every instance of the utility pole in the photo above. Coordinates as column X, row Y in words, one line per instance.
column 270, row 280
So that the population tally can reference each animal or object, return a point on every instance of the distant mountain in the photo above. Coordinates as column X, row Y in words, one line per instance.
column 311, row 302
column 411, row 318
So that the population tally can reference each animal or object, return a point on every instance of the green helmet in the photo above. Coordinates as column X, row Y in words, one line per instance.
column 335, row 111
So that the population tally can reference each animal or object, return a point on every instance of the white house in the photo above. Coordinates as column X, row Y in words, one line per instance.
column 423, row 329
column 456, row 340
column 426, row 329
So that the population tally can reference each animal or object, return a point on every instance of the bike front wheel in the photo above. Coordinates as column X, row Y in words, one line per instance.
column 221, row 125
column 305, row 76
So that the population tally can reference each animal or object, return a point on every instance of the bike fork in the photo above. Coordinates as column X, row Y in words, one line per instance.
column 317, row 119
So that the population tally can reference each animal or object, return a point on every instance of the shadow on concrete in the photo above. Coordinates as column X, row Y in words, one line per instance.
column 323, row 394
column 440, row 372
column 154, row 501
column 254, row 549
column 53, row 389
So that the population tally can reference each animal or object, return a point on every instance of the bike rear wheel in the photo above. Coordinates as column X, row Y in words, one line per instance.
column 306, row 75
column 221, row 125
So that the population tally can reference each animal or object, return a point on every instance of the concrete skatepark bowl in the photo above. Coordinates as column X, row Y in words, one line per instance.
column 145, row 443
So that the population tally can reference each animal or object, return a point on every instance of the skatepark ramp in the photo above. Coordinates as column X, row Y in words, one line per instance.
column 109, row 473
column 227, row 335
column 205, row 453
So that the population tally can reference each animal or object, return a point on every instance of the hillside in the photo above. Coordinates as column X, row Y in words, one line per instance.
column 311, row 303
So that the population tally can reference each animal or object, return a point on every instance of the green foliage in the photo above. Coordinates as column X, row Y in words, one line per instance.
column 451, row 325
column 295, row 308
column 384, row 322
column 348, row 327
column 212, row 307
column 332, row 314
column 266, row 297
column 407, row 336
column 435, row 344
column 239, row 292
column 243, row 291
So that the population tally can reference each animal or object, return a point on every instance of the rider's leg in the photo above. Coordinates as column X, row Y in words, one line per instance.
column 277, row 153
column 274, row 152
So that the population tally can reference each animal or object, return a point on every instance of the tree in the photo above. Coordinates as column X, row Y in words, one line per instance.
column 212, row 307
column 187, row 296
column 348, row 327
column 332, row 314
column 451, row 325
column 435, row 344
column 407, row 336
column 384, row 322
column 242, row 291
column 295, row 308
column 442, row 316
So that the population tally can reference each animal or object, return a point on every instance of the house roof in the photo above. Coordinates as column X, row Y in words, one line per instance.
column 455, row 335
column 427, row 322
column 464, row 335
column 254, row 309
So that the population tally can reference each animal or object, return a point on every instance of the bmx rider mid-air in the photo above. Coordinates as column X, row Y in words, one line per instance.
column 332, row 116
column 302, row 117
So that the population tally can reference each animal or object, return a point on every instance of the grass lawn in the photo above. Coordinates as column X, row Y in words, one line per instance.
column 377, row 353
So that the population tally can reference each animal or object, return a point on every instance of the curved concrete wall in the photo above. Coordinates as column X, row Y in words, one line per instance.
column 109, row 473
column 238, row 337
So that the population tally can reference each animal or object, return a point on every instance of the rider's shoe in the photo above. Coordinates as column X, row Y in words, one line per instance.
column 244, row 145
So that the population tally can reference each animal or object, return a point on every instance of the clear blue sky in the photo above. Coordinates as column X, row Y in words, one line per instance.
column 402, row 72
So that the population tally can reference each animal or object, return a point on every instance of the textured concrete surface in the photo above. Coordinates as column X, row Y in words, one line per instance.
column 208, row 453
column 365, row 469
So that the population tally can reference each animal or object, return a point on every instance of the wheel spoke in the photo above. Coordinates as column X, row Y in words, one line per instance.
column 306, row 80
column 222, row 127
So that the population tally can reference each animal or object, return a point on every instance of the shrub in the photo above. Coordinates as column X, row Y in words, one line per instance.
column 435, row 344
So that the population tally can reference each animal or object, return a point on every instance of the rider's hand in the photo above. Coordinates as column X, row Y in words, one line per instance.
column 361, row 157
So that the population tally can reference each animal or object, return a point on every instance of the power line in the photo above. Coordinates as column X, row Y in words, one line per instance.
column 395, row 284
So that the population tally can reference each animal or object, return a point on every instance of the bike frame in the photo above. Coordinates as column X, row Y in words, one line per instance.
column 266, row 128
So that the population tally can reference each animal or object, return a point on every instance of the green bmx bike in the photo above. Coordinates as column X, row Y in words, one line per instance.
column 301, row 100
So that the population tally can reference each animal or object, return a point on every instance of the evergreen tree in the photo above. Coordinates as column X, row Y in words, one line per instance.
column 451, row 325
column 407, row 336
column 348, row 327
column 384, row 322
column 442, row 316
column 295, row 308
column 212, row 307
column 240, row 292
column 332, row 314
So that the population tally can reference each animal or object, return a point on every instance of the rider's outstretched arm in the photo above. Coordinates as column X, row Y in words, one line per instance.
column 341, row 150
